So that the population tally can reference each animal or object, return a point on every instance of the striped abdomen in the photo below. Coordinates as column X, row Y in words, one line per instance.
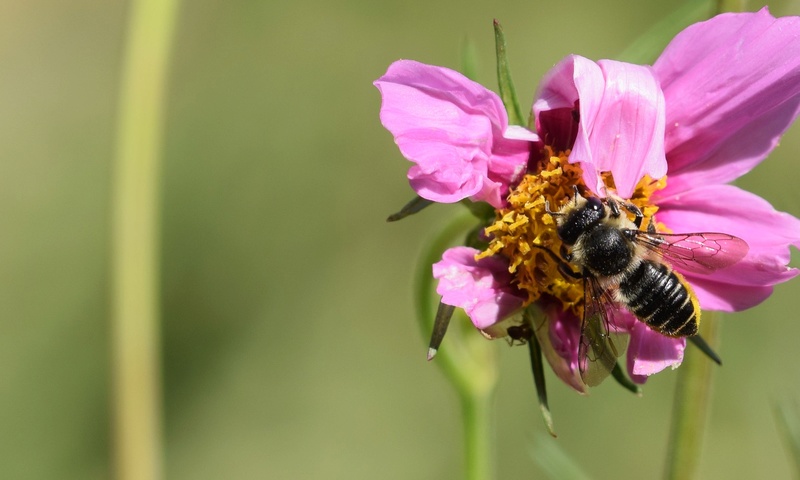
column 661, row 298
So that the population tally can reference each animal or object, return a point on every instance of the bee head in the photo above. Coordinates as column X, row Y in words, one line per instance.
column 578, row 216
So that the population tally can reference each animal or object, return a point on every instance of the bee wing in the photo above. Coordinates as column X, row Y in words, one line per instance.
column 702, row 253
column 600, row 346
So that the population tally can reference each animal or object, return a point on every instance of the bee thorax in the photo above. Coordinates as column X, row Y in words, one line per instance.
column 604, row 251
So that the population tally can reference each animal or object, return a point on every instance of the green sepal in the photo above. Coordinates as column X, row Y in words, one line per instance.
column 443, row 315
column 482, row 210
column 475, row 238
column 414, row 206
column 507, row 92
column 626, row 382
column 704, row 347
column 537, row 367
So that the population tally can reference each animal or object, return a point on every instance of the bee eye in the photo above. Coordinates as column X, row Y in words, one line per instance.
column 594, row 203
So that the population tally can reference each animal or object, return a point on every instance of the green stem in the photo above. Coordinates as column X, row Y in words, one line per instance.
column 465, row 357
column 478, row 416
column 692, row 401
column 136, row 378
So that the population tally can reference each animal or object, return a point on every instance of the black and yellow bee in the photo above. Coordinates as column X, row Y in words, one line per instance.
column 622, row 264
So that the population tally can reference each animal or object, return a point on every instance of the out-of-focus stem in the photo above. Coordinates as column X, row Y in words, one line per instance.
column 136, row 374
column 479, row 447
column 466, row 359
column 692, row 400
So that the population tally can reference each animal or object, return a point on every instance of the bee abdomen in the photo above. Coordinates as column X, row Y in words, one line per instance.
column 660, row 298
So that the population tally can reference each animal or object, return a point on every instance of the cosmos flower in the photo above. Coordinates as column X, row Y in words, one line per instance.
column 666, row 138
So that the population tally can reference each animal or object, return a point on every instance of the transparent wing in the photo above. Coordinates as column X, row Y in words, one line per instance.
column 600, row 345
column 702, row 253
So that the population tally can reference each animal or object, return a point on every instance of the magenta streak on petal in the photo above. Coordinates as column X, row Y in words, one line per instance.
column 453, row 129
column 732, row 87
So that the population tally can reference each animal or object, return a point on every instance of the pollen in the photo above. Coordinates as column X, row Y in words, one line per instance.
column 525, row 234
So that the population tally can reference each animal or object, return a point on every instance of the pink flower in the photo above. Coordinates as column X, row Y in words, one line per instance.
column 455, row 130
column 712, row 107
column 481, row 287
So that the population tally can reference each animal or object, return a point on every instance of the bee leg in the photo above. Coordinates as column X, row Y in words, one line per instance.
column 567, row 272
column 614, row 206
column 651, row 226
column 636, row 213
column 564, row 267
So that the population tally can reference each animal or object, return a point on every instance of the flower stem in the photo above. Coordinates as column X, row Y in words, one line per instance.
column 478, row 417
column 465, row 357
column 136, row 379
column 692, row 400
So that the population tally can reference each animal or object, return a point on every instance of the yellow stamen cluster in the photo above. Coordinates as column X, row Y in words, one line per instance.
column 523, row 230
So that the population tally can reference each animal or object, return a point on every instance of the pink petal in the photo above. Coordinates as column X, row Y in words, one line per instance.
column 627, row 137
column 621, row 119
column 650, row 352
column 728, row 209
column 732, row 87
column 483, row 288
column 574, row 83
column 453, row 129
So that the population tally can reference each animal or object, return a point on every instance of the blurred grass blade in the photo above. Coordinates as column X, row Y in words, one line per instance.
column 626, row 382
column 507, row 92
column 414, row 206
column 537, row 367
column 469, row 59
column 787, row 419
column 554, row 461
column 646, row 48
column 704, row 347
column 443, row 315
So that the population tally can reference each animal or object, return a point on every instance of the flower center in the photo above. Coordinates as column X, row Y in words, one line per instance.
column 524, row 228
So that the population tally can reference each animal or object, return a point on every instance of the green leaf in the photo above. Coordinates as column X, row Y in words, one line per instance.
column 649, row 45
column 538, row 373
column 507, row 92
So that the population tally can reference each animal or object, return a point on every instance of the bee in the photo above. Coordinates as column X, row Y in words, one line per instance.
column 623, row 265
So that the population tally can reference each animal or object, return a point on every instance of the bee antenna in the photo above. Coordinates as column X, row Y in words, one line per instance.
column 550, row 212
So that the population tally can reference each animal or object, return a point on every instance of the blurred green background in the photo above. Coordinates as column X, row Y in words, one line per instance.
column 289, row 343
